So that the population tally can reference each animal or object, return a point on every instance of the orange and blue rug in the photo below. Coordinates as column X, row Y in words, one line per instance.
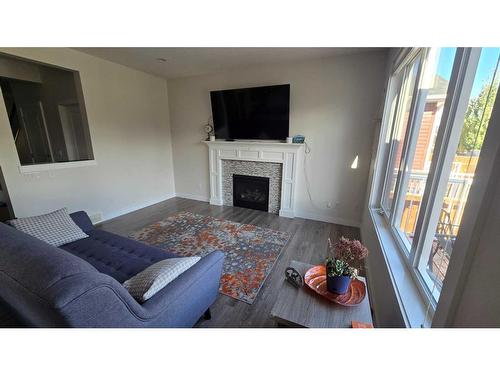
column 250, row 251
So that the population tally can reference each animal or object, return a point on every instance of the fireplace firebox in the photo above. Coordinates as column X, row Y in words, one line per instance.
column 251, row 192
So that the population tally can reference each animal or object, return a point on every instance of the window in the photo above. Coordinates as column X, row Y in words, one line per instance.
column 432, row 90
column 401, row 120
column 465, row 151
column 437, row 114
column 46, row 112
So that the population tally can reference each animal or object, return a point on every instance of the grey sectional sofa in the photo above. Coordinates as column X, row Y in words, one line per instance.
column 79, row 284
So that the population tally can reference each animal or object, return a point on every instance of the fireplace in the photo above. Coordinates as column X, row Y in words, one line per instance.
column 251, row 192
column 278, row 161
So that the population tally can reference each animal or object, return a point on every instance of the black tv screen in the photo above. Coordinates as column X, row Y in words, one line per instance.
column 251, row 113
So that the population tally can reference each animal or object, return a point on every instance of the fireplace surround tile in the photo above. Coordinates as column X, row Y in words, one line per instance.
column 252, row 168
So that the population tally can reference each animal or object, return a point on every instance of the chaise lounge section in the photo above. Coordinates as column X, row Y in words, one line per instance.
column 80, row 283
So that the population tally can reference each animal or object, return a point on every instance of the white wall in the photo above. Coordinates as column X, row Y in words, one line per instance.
column 334, row 103
column 129, row 126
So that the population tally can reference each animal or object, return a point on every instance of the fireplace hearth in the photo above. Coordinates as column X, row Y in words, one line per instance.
column 251, row 192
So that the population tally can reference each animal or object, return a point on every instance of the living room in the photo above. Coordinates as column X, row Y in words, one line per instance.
column 188, row 186
column 127, row 127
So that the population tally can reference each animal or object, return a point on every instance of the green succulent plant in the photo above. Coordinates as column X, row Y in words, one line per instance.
column 339, row 267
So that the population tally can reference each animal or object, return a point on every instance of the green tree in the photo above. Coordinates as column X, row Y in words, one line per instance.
column 477, row 118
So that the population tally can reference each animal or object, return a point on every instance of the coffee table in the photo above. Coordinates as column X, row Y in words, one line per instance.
column 304, row 308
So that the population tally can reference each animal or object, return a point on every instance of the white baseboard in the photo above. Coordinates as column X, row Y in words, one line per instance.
column 195, row 197
column 287, row 213
column 298, row 213
column 326, row 218
column 216, row 202
column 135, row 208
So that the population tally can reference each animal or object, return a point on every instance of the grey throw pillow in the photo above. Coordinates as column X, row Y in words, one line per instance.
column 147, row 283
column 56, row 228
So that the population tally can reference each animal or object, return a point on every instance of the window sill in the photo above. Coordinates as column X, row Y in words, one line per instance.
column 411, row 303
column 26, row 169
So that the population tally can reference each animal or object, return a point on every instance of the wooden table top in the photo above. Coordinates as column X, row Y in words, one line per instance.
column 305, row 308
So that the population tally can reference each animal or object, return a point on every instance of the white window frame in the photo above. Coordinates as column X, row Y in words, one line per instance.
column 459, row 89
column 403, row 69
column 448, row 138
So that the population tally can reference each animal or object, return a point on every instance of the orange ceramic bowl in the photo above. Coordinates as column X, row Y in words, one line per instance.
column 315, row 279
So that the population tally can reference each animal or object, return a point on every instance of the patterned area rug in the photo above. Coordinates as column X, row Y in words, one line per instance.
column 250, row 251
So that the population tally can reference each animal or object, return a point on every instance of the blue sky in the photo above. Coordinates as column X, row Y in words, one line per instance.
column 485, row 69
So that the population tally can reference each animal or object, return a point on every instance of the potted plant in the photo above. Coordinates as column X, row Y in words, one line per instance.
column 338, row 275
column 343, row 266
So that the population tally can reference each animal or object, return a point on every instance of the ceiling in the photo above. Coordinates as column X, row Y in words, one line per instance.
column 183, row 62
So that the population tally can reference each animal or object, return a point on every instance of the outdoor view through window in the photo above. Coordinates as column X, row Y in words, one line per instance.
column 477, row 118
column 46, row 112
column 432, row 91
column 418, row 99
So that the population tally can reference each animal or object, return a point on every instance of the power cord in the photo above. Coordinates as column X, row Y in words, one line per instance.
column 307, row 151
column 307, row 148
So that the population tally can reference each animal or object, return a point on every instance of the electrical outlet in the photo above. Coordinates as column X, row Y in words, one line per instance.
column 329, row 205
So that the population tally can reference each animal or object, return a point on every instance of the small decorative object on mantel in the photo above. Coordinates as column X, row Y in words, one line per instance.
column 209, row 129
column 344, row 265
column 298, row 138
column 294, row 277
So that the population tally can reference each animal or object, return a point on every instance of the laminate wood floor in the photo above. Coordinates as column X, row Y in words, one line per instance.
column 308, row 244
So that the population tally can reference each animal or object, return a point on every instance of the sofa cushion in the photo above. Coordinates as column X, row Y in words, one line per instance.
column 147, row 283
column 55, row 228
column 82, row 220
column 33, row 263
column 116, row 256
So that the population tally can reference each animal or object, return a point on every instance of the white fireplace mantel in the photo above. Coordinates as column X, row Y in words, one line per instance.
column 270, row 152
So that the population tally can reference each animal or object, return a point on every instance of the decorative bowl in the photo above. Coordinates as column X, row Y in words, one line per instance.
column 315, row 278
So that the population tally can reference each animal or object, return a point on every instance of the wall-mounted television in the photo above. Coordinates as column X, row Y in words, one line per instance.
column 251, row 113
